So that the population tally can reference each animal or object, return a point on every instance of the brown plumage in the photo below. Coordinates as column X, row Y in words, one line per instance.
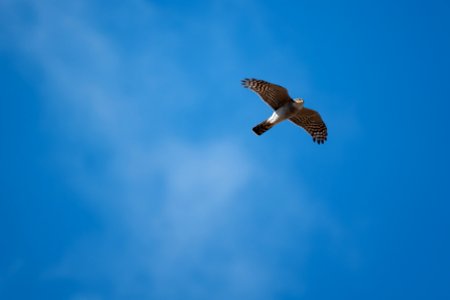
column 277, row 97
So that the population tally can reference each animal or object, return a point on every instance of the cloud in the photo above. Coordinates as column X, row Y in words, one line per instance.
column 183, row 220
column 163, row 236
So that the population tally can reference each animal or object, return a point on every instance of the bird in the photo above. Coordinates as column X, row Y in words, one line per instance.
column 277, row 97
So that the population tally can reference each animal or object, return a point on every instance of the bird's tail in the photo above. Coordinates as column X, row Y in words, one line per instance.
column 262, row 127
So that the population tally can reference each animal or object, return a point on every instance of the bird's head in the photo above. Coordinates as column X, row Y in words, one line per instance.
column 299, row 100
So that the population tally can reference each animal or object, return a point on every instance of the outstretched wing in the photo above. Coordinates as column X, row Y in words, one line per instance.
column 274, row 95
column 311, row 121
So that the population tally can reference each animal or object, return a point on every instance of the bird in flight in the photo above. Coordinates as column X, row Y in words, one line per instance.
column 285, row 107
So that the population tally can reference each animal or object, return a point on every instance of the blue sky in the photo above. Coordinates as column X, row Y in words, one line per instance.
column 128, row 168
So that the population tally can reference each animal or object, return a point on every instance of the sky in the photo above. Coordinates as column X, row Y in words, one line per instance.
column 128, row 168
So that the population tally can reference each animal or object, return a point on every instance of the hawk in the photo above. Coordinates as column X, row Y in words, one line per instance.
column 285, row 107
